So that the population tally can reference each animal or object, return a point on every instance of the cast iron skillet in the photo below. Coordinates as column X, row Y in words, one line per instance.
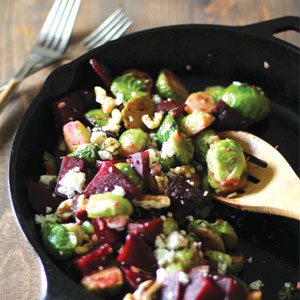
column 217, row 55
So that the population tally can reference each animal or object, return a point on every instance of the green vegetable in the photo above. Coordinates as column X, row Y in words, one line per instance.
column 132, row 141
column 169, row 226
column 227, row 166
column 167, row 163
column 215, row 92
column 249, row 100
column 58, row 240
column 50, row 163
column 169, row 86
column 128, row 86
column 183, row 260
column 88, row 152
column 129, row 172
column 227, row 232
column 145, row 77
column 166, row 129
column 97, row 117
column 108, row 205
column 286, row 291
column 195, row 122
column 202, row 143
column 87, row 227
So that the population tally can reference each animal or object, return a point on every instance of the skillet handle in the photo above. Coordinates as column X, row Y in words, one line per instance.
column 270, row 27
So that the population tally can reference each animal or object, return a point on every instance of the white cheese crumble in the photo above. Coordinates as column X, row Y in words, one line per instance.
column 176, row 241
column 167, row 149
column 48, row 209
column 73, row 181
column 98, row 137
column 40, row 219
column 222, row 268
column 111, row 127
column 161, row 275
column 159, row 243
column 156, row 99
column 237, row 83
column 256, row 285
column 118, row 190
column 183, row 278
column 105, row 155
column 119, row 99
column 118, row 222
column 250, row 259
column 47, row 180
column 266, row 65
column 190, row 218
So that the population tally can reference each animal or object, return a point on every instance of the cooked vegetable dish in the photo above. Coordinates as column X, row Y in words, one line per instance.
column 125, row 201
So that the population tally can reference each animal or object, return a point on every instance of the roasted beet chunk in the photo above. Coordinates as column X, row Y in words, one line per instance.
column 173, row 107
column 146, row 229
column 203, row 288
column 107, row 178
column 135, row 252
column 69, row 164
column 68, row 108
column 172, row 287
column 104, row 233
column 40, row 198
column 140, row 162
column 102, row 71
column 232, row 289
column 227, row 118
column 93, row 260
column 134, row 277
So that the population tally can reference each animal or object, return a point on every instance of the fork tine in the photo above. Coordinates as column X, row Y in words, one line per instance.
column 104, row 24
column 115, row 33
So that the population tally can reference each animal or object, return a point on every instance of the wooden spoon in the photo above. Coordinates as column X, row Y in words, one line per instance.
column 278, row 189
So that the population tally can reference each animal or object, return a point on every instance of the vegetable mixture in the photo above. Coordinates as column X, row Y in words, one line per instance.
column 125, row 198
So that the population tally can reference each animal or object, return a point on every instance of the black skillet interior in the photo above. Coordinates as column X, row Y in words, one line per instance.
column 216, row 55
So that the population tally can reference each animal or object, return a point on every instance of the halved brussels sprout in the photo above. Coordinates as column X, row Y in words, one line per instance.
column 97, row 117
column 195, row 122
column 132, row 141
column 249, row 100
column 135, row 109
column 128, row 86
column 145, row 77
column 88, row 152
column 58, row 240
column 167, row 163
column 227, row 168
column 169, row 226
column 169, row 86
column 202, row 143
column 129, row 172
column 199, row 101
column 214, row 92
column 166, row 129
column 227, row 232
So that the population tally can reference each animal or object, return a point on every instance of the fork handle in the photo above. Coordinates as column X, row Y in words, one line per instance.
column 8, row 92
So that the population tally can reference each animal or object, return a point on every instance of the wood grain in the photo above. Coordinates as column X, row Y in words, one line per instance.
column 20, row 22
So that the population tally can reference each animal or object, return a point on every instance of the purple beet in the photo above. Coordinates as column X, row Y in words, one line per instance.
column 40, row 198
column 232, row 289
column 67, row 164
column 134, row 277
column 227, row 118
column 68, row 108
column 102, row 71
column 172, row 287
column 107, row 178
column 172, row 106
column 140, row 162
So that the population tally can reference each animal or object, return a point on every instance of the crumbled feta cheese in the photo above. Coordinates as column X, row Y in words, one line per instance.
column 205, row 193
column 73, row 181
column 266, row 65
column 118, row 190
column 130, row 118
column 161, row 275
column 190, row 218
column 183, row 232
column 169, row 214
column 153, row 157
column 188, row 67
column 156, row 99
column 237, row 83
column 48, row 209
column 105, row 155
column 119, row 99
column 176, row 241
column 250, row 259
column 40, row 219
column 256, row 285
column 98, row 137
column 163, row 217
column 183, row 278
column 111, row 127
column 116, row 117
column 222, row 268
column 159, row 243
column 118, row 222
column 47, row 180
column 167, row 149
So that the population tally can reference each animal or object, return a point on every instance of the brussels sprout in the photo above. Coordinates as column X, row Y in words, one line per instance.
column 214, row 92
column 202, row 143
column 195, row 122
column 286, row 291
column 108, row 205
column 135, row 109
column 58, row 240
column 87, row 227
column 132, row 141
column 204, row 181
column 128, row 86
column 97, row 117
column 227, row 166
column 169, row 86
column 199, row 101
column 166, row 129
column 167, row 163
column 249, row 100
column 129, row 172
column 232, row 263
column 89, row 152
column 145, row 77
column 169, row 226
column 227, row 232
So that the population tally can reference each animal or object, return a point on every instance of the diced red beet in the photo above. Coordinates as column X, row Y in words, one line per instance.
column 104, row 233
column 40, row 198
column 228, row 118
column 173, row 107
column 100, row 163
column 203, row 289
column 67, row 164
column 91, row 261
column 102, row 71
column 137, row 253
column 68, row 108
column 172, row 287
column 232, row 289
column 134, row 277
column 107, row 178
column 140, row 162
column 146, row 229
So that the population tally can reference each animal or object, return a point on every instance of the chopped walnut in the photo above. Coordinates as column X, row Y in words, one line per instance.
column 64, row 210
column 152, row 201
column 107, row 103
column 147, row 290
column 111, row 145
column 153, row 122
column 116, row 117
column 162, row 182
column 187, row 171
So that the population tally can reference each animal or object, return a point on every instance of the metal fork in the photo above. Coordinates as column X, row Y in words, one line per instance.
column 50, row 45
column 110, row 29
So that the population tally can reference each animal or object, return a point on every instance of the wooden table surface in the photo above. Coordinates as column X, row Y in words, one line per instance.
column 21, row 274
